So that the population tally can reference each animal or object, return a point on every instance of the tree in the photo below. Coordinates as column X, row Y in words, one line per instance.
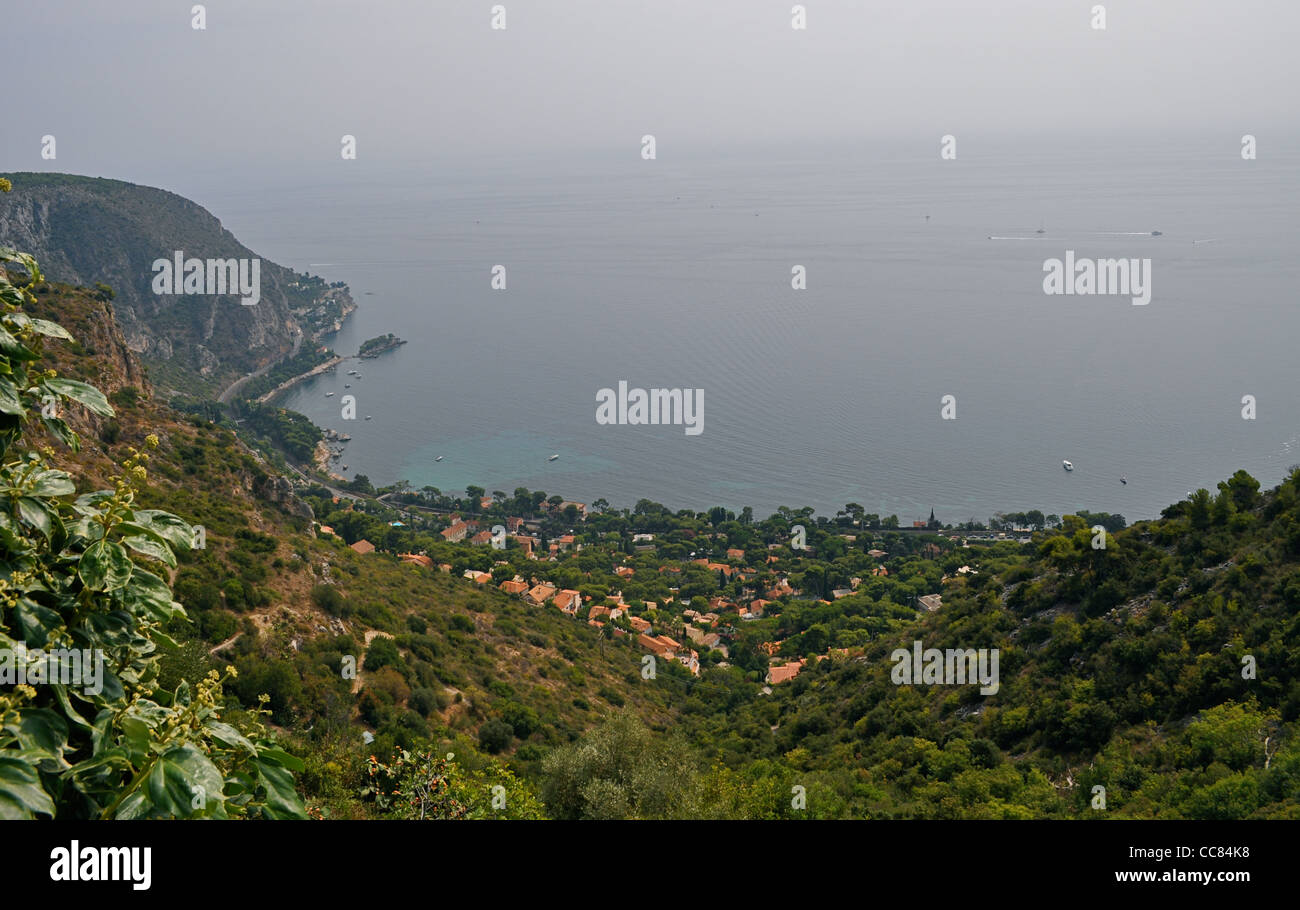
column 621, row 770
column 382, row 652
column 413, row 786
column 495, row 735
column 1243, row 489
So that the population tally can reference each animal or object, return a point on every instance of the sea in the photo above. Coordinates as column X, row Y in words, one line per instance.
column 924, row 279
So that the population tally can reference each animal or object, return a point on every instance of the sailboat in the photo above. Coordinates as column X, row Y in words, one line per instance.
column 1041, row 229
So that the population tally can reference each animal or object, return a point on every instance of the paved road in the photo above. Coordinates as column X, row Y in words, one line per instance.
column 224, row 397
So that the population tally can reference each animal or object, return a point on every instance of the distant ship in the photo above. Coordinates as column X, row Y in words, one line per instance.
column 367, row 417
column 1067, row 466
column 553, row 457
column 1157, row 233
column 439, row 458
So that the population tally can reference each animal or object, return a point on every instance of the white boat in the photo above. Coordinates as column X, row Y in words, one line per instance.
column 329, row 394
column 553, row 457
column 1067, row 466
column 439, row 458
column 367, row 417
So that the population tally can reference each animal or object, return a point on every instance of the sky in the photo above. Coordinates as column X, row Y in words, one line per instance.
column 130, row 90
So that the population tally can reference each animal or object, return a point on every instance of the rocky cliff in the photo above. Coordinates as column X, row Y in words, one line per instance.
column 87, row 231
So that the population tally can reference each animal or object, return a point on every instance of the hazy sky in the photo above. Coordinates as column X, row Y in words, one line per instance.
column 130, row 90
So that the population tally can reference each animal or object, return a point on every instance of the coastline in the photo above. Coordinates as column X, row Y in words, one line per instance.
column 294, row 380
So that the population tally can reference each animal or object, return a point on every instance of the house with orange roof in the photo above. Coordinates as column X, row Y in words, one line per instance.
column 326, row 529
column 569, row 601
column 456, row 532
column 363, row 546
column 669, row 643
column 514, row 586
column 656, row 645
column 418, row 559
column 481, row 538
column 783, row 674
column 638, row 624
column 540, row 594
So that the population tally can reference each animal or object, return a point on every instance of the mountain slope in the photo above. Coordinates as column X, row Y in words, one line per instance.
column 92, row 230
column 438, row 657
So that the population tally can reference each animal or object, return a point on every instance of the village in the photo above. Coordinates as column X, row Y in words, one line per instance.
column 672, row 627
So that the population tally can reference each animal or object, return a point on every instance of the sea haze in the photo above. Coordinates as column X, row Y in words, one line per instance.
column 677, row 274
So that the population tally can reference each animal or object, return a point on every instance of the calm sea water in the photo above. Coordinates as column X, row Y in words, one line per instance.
column 677, row 274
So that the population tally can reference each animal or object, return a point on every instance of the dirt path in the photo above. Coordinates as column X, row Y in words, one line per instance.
column 370, row 636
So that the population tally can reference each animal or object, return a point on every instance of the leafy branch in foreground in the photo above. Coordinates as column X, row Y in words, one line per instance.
column 107, row 741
